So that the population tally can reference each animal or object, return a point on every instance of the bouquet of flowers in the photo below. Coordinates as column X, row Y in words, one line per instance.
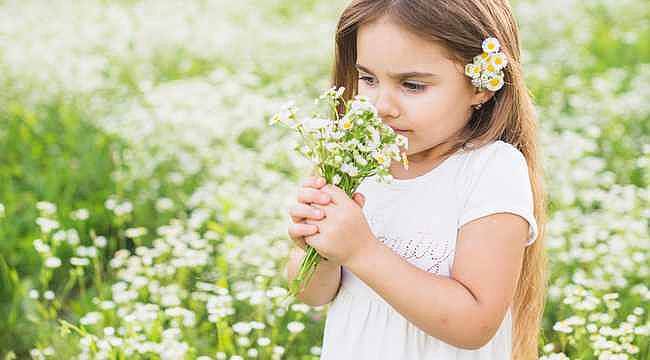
column 345, row 150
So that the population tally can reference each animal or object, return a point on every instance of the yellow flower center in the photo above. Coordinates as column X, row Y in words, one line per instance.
column 498, row 60
column 347, row 125
column 490, row 46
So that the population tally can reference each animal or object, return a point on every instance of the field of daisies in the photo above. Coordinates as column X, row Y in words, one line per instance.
column 143, row 196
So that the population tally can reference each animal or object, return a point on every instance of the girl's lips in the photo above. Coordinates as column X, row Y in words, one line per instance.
column 398, row 130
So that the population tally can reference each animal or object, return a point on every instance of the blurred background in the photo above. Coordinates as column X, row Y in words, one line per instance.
column 143, row 196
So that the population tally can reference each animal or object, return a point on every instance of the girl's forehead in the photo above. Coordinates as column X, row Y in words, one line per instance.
column 385, row 41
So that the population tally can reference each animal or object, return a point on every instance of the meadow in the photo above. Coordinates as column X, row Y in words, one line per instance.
column 144, row 197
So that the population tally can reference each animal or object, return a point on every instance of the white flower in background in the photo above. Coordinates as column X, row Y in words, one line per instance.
column 76, row 261
column 295, row 327
column 556, row 356
column 52, row 262
column 110, row 203
column 263, row 341
column 164, row 204
column 100, row 241
column 48, row 295
column 80, row 214
column 91, row 318
column 563, row 326
column 123, row 208
column 72, row 237
column 46, row 208
column 41, row 247
column 2, row 210
column 243, row 341
column 242, row 328
column 315, row 123
column 135, row 232
column 279, row 350
column 47, row 225
column 86, row 251
column 303, row 308
column 33, row 294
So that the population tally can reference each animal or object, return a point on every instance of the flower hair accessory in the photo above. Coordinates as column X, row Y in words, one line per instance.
column 486, row 70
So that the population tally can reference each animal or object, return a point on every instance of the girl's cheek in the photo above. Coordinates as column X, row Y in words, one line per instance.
column 364, row 89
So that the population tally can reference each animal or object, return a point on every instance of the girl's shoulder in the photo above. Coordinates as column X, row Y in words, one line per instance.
column 496, row 153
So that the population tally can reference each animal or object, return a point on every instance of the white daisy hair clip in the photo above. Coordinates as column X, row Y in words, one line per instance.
column 486, row 70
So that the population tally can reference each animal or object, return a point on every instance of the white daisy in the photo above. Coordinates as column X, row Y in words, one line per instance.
column 482, row 58
column 491, row 45
column 349, row 169
column 473, row 70
column 495, row 83
column 499, row 60
column 490, row 69
column 346, row 123
column 336, row 179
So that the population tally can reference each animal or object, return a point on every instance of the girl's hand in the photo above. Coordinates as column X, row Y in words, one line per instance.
column 308, row 194
column 344, row 231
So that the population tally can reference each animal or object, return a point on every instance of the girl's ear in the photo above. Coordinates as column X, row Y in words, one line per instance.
column 481, row 97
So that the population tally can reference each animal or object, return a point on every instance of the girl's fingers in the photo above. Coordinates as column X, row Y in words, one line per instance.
column 315, row 182
column 308, row 195
column 301, row 230
column 359, row 199
column 297, row 233
column 299, row 212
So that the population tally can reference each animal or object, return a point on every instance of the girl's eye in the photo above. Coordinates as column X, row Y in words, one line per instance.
column 365, row 78
column 413, row 87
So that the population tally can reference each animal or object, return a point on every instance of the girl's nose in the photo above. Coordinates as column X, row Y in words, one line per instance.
column 386, row 106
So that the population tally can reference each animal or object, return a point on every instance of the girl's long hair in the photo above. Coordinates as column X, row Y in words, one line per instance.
column 461, row 26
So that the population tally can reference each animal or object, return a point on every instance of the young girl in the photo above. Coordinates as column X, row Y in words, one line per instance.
column 447, row 260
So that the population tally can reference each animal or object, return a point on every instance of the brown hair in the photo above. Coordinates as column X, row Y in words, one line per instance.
column 461, row 26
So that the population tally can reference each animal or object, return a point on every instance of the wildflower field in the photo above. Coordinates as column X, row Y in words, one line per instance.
column 144, row 197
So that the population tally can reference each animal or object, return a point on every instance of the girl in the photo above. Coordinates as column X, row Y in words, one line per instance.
column 447, row 260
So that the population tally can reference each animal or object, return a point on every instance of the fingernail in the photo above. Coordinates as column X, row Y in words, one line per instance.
column 325, row 198
column 318, row 213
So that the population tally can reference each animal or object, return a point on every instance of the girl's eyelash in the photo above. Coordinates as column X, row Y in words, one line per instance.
column 418, row 87
column 415, row 88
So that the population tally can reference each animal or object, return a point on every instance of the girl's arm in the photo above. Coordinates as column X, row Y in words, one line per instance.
column 465, row 309
column 324, row 284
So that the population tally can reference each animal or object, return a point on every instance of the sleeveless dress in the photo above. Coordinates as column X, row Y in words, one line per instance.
column 419, row 219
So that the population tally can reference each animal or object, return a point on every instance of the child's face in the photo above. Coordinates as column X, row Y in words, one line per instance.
column 430, row 107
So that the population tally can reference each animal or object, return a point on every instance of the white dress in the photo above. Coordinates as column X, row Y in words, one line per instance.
column 419, row 219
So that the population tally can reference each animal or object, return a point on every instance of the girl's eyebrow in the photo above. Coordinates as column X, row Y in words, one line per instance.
column 405, row 75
